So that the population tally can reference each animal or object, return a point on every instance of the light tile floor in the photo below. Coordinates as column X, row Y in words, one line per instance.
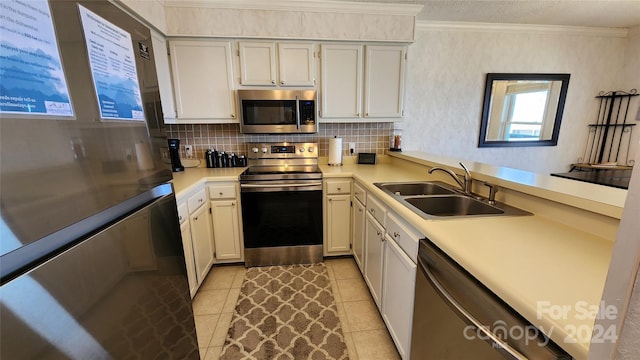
column 365, row 333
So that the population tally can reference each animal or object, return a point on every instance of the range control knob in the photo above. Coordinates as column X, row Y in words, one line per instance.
column 264, row 150
column 301, row 149
column 254, row 150
column 310, row 149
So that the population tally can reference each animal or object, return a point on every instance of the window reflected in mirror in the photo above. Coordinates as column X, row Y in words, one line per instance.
column 522, row 109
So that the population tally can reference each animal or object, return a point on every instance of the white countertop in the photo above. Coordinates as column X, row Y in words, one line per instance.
column 191, row 178
column 528, row 261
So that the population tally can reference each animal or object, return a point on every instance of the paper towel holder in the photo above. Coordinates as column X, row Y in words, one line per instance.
column 337, row 150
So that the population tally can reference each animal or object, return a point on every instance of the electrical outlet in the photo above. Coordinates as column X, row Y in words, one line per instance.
column 352, row 148
column 189, row 150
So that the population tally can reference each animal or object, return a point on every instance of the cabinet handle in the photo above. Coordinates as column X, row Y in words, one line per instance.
column 233, row 204
column 359, row 210
column 220, row 193
column 199, row 200
column 372, row 210
column 281, row 82
column 273, row 82
column 357, row 114
column 366, row 114
column 378, row 231
column 180, row 218
column 395, row 234
column 233, row 116
column 195, row 218
column 339, row 189
column 329, row 199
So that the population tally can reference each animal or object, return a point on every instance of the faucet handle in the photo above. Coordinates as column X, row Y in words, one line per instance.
column 493, row 189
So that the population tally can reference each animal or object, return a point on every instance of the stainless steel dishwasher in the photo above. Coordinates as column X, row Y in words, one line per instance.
column 456, row 317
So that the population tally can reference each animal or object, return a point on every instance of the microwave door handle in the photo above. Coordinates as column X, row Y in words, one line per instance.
column 297, row 112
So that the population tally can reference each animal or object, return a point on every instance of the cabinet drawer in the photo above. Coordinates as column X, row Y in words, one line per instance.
column 183, row 212
column 196, row 200
column 377, row 210
column 338, row 187
column 227, row 191
column 404, row 235
column 360, row 193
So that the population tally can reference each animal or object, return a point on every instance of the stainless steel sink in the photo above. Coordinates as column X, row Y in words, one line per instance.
column 434, row 199
column 452, row 205
column 415, row 188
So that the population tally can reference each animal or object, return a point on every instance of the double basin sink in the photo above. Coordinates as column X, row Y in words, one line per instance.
column 434, row 199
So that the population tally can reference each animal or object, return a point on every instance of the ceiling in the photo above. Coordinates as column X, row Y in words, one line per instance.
column 593, row 13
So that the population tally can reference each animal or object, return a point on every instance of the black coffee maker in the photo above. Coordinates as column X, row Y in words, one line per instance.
column 174, row 154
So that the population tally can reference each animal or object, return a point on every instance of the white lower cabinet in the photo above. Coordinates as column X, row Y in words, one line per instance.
column 225, row 218
column 197, row 242
column 201, row 240
column 374, row 251
column 387, row 258
column 358, row 212
column 398, row 278
column 337, row 213
column 226, row 229
column 185, row 230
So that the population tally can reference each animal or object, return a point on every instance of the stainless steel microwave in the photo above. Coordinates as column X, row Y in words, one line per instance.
column 277, row 111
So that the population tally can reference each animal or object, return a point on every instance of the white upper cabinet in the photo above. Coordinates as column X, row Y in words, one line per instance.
column 347, row 85
column 203, row 80
column 341, row 77
column 163, row 69
column 384, row 81
column 257, row 63
column 294, row 64
column 297, row 65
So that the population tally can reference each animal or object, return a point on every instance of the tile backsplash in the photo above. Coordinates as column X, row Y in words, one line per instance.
column 369, row 137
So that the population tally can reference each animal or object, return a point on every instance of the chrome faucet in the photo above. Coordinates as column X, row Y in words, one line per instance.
column 466, row 185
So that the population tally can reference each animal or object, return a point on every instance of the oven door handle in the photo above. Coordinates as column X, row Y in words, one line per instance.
column 515, row 354
column 280, row 185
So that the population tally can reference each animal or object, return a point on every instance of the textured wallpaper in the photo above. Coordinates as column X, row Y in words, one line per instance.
column 446, row 79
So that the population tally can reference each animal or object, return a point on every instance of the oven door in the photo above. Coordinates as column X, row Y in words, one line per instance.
column 282, row 224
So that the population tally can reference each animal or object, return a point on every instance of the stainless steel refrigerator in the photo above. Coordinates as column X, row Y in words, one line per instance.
column 92, row 263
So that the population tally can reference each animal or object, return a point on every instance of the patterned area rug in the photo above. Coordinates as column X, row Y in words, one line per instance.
column 285, row 312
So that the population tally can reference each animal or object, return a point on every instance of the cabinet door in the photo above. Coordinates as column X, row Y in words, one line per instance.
column 163, row 70
column 358, row 211
column 257, row 63
column 399, row 277
column 202, row 77
column 384, row 81
column 296, row 64
column 226, row 229
column 374, row 234
column 202, row 244
column 341, row 88
column 185, row 230
column 338, row 226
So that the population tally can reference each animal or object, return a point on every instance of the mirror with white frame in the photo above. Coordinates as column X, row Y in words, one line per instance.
column 522, row 109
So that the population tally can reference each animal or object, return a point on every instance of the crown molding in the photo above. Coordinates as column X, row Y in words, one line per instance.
column 351, row 7
column 520, row 28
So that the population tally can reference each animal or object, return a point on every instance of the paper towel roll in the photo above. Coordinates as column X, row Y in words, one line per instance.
column 335, row 151
column 145, row 162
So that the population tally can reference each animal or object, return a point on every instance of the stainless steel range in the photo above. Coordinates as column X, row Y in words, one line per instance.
column 281, row 194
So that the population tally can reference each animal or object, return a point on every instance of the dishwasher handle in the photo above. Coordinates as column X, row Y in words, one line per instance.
column 470, row 318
